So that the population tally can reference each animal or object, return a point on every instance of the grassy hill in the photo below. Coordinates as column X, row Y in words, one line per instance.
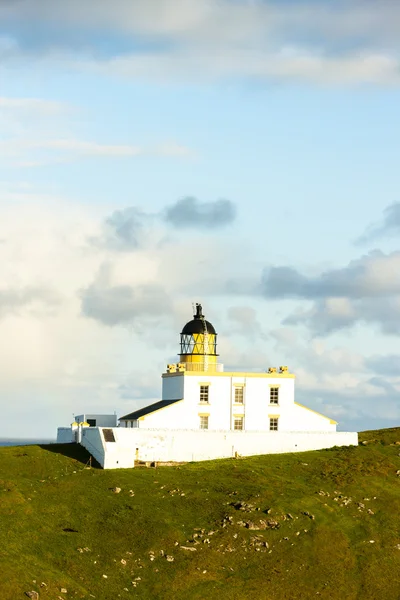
column 322, row 524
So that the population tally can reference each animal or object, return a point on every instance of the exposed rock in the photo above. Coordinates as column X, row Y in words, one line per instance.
column 191, row 548
column 34, row 595
column 309, row 515
column 116, row 490
column 262, row 525
column 64, row 590
column 271, row 524
column 243, row 506
column 170, row 558
column 123, row 561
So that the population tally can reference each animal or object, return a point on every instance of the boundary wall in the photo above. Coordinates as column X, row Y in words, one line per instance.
column 165, row 445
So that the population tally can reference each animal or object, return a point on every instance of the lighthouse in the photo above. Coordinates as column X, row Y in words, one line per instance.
column 206, row 412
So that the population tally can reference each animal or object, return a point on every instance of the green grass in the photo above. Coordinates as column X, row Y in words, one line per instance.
column 45, row 492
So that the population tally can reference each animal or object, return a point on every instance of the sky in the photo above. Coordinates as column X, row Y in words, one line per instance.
column 239, row 153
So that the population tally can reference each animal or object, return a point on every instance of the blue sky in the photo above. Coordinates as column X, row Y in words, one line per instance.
column 239, row 153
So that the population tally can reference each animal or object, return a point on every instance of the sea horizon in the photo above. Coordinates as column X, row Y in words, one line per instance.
column 25, row 441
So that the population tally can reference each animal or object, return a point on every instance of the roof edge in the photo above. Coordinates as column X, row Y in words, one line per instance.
column 332, row 421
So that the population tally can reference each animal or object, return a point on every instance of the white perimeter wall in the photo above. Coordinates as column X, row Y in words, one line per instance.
column 177, row 445
column 65, row 435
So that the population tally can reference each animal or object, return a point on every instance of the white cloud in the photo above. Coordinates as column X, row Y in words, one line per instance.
column 36, row 106
column 27, row 126
column 350, row 43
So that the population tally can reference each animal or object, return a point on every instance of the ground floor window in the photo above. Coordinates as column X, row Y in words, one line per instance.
column 238, row 423
column 203, row 422
column 273, row 423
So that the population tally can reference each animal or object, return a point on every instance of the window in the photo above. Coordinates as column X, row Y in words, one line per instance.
column 238, row 423
column 108, row 435
column 91, row 422
column 239, row 395
column 203, row 422
column 273, row 423
column 273, row 395
column 204, row 393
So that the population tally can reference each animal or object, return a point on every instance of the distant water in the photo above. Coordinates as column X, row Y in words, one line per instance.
column 22, row 442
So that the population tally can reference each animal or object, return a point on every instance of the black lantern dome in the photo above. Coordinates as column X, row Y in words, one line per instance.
column 199, row 336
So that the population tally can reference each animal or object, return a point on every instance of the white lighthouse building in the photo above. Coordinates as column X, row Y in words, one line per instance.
column 206, row 412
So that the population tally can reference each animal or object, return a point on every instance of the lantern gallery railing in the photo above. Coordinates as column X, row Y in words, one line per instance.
column 200, row 367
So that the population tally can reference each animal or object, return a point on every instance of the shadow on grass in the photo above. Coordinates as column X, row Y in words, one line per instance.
column 75, row 451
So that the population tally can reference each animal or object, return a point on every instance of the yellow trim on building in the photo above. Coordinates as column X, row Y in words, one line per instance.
column 284, row 375
column 203, row 414
column 204, row 382
column 274, row 385
column 332, row 422
column 240, row 385
column 274, row 416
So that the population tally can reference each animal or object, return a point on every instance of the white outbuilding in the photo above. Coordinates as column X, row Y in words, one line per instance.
column 206, row 413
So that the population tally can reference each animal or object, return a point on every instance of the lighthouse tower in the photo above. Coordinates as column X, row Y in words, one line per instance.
column 198, row 350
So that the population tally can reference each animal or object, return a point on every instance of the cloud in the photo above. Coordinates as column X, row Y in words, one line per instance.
column 22, row 152
column 365, row 291
column 37, row 106
column 32, row 299
column 123, row 230
column 332, row 314
column 368, row 276
column 384, row 364
column 189, row 212
column 243, row 321
column 388, row 227
column 329, row 43
column 38, row 132
column 113, row 303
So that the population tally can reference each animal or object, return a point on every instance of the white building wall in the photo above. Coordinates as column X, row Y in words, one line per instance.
column 172, row 387
column 222, row 409
column 101, row 420
column 179, row 445
column 301, row 418
column 169, row 417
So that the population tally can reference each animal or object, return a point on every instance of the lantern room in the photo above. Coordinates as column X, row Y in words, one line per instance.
column 198, row 343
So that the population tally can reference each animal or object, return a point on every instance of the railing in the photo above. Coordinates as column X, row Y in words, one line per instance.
column 201, row 367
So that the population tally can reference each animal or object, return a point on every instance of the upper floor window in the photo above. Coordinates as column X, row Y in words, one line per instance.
column 273, row 395
column 239, row 394
column 204, row 393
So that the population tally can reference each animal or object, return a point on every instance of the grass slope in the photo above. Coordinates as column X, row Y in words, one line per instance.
column 351, row 494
